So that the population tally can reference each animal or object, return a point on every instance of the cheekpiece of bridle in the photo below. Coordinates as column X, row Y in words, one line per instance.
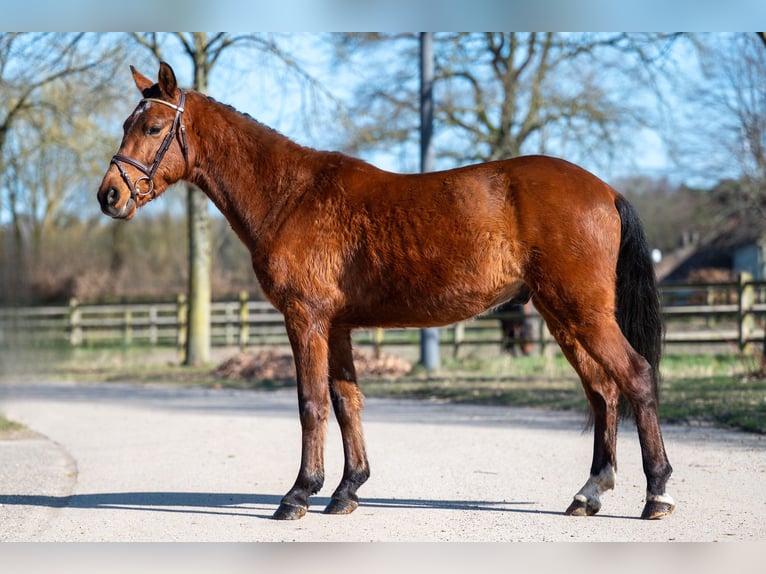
column 149, row 171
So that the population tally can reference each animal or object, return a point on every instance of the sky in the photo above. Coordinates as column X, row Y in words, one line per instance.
column 268, row 102
column 385, row 15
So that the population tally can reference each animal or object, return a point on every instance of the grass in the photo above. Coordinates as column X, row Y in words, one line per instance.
column 737, row 403
column 8, row 426
column 710, row 389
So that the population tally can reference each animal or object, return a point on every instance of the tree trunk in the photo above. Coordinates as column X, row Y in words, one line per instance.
column 200, row 290
column 199, row 293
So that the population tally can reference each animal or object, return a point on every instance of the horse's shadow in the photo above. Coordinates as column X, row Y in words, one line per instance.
column 234, row 504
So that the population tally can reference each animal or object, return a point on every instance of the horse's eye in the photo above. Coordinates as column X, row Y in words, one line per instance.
column 154, row 130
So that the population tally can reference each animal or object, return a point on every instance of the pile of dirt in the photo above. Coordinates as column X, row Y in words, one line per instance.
column 263, row 365
column 368, row 364
column 277, row 365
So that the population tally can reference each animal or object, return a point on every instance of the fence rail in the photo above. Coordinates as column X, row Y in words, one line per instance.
column 730, row 314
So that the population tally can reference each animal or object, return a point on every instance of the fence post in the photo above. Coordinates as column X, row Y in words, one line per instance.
column 710, row 293
column 244, row 325
column 127, row 336
column 458, row 339
column 75, row 326
column 230, row 325
column 153, row 330
column 548, row 346
column 181, row 318
column 746, row 319
column 377, row 340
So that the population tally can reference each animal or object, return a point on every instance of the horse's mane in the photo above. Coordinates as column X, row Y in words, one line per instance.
column 243, row 115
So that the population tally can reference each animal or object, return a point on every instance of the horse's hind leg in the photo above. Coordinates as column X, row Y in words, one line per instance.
column 603, row 396
column 639, row 393
column 632, row 373
column 598, row 336
column 347, row 402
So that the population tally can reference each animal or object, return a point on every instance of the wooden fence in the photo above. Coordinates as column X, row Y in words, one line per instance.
column 724, row 314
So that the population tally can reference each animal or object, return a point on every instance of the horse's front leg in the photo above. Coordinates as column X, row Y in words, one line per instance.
column 308, row 338
column 347, row 402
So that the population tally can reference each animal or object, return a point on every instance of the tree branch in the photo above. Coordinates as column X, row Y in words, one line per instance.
column 149, row 41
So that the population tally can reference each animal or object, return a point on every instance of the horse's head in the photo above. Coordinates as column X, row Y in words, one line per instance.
column 153, row 153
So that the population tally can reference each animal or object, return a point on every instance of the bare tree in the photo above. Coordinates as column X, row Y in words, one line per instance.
column 504, row 94
column 52, row 88
column 727, row 112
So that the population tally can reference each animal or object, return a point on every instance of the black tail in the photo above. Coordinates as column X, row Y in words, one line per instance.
column 639, row 313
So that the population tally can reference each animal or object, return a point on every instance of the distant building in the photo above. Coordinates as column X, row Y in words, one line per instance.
column 736, row 246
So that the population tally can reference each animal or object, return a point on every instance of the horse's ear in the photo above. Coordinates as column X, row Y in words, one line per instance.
column 142, row 82
column 167, row 80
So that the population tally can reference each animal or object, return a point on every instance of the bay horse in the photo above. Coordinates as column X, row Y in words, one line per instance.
column 338, row 244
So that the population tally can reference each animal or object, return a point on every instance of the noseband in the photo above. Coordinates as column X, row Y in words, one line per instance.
column 177, row 126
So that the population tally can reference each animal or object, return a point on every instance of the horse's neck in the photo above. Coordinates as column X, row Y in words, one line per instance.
column 243, row 167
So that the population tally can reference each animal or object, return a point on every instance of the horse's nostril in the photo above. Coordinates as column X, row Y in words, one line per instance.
column 112, row 196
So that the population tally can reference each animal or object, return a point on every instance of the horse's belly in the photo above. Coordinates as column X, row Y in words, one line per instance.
column 434, row 308
column 448, row 278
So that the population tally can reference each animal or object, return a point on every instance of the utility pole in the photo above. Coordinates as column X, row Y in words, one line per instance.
column 429, row 338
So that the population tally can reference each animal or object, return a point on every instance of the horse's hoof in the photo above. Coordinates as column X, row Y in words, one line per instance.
column 341, row 506
column 289, row 512
column 582, row 507
column 655, row 509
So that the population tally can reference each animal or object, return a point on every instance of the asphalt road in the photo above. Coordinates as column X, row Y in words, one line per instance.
column 154, row 463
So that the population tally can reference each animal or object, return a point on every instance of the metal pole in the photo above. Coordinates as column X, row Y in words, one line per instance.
column 429, row 338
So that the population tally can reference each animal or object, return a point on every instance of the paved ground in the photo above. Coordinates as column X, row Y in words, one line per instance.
column 152, row 463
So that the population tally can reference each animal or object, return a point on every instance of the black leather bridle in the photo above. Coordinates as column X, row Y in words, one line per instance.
column 177, row 126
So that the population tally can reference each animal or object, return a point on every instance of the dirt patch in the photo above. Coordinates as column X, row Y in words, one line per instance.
column 23, row 434
column 11, row 430
column 278, row 365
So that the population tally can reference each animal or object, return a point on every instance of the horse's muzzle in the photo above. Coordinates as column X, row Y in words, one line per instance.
column 110, row 198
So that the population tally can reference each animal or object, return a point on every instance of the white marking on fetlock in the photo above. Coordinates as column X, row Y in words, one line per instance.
column 662, row 498
column 596, row 485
